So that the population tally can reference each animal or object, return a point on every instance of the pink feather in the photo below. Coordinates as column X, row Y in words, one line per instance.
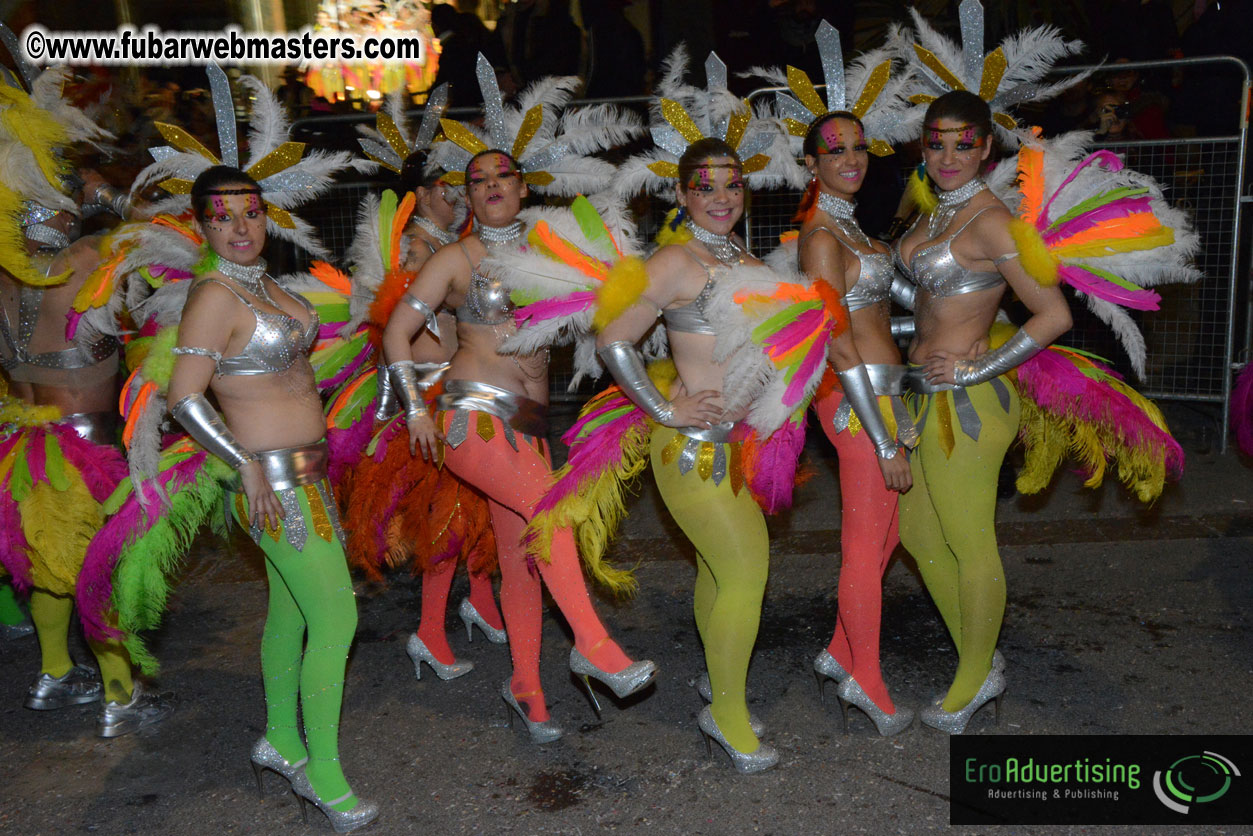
column 347, row 446
column 36, row 455
column 14, row 550
column 562, row 306
column 101, row 467
column 795, row 332
column 1108, row 159
column 1120, row 208
column 592, row 456
column 770, row 466
column 1094, row 285
column 349, row 370
column 1242, row 409
column 71, row 323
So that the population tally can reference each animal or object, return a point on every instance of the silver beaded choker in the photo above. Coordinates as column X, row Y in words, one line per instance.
column 435, row 230
column 249, row 277
column 723, row 247
column 499, row 234
column 836, row 207
column 949, row 203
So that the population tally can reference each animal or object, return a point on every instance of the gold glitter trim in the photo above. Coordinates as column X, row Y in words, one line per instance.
column 679, row 119
column 880, row 148
column 757, row 162
column 737, row 125
column 795, row 127
column 735, row 467
column 672, row 449
column 526, row 131
column 317, row 511
column 874, row 86
column 854, row 423
column 538, row 178
column 705, row 460
column 240, row 511
column 280, row 216
column 484, row 426
column 922, row 98
column 993, row 71
column 664, row 168
column 183, row 141
column 944, row 420
column 454, row 178
column 1005, row 121
column 283, row 157
column 176, row 185
column 381, row 161
column 387, row 127
column 927, row 57
column 800, row 85
column 462, row 135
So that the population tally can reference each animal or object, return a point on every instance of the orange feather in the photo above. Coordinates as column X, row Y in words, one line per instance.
column 141, row 401
column 1031, row 183
column 394, row 286
column 399, row 221
column 593, row 268
column 334, row 278
column 1130, row 226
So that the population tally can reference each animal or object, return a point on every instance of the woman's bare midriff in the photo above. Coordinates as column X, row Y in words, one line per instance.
column 272, row 411
column 956, row 324
column 693, row 359
column 477, row 360
column 426, row 349
column 872, row 334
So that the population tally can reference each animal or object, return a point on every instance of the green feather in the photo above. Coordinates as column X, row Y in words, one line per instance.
column 591, row 223
column 387, row 211
column 357, row 403
column 19, row 476
column 1097, row 202
column 374, row 442
column 54, row 464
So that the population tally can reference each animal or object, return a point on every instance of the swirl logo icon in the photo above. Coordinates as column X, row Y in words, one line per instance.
column 1194, row 779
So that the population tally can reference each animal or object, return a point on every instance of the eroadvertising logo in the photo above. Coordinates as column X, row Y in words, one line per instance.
column 1089, row 779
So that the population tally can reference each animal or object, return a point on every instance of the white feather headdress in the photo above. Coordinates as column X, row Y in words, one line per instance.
column 682, row 115
column 868, row 87
column 554, row 151
column 289, row 177
column 390, row 142
column 1005, row 77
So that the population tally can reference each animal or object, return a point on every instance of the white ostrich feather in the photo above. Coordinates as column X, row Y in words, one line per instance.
column 268, row 125
column 46, row 92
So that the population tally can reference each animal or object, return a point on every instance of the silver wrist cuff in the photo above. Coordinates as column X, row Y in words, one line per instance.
column 627, row 367
column 902, row 292
column 387, row 401
column 432, row 321
column 408, row 389
column 860, row 394
column 903, row 327
column 1017, row 350
column 204, row 424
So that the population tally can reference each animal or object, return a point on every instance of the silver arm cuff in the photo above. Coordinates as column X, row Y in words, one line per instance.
column 408, row 387
column 204, row 424
column 902, row 292
column 432, row 321
column 903, row 327
column 626, row 365
column 861, row 397
column 1017, row 350
column 108, row 199
column 387, row 401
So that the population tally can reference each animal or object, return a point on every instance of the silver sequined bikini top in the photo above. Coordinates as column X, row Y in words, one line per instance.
column 276, row 341
column 16, row 348
column 934, row 269
column 874, row 280
column 487, row 301
column 690, row 318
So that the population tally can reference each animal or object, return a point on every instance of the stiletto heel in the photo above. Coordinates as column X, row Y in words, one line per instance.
column 419, row 653
column 825, row 667
column 706, row 691
column 634, row 677
column 746, row 763
column 470, row 618
column 542, row 731
column 954, row 722
column 591, row 695
column 851, row 693
column 264, row 756
column 343, row 822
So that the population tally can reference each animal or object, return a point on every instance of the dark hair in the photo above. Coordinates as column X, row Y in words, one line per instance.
column 961, row 106
column 213, row 179
column 698, row 152
column 414, row 173
column 470, row 162
column 810, row 146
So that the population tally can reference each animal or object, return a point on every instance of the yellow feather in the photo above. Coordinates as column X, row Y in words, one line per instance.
column 59, row 526
column 667, row 236
column 920, row 193
column 1033, row 253
column 624, row 286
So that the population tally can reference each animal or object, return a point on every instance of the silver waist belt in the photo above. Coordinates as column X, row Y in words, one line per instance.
column 96, row 427
column 718, row 433
column 886, row 378
column 916, row 381
column 514, row 410
column 292, row 467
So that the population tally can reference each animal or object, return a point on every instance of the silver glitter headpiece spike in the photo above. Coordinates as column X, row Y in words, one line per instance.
column 387, row 142
column 868, row 87
column 1011, row 74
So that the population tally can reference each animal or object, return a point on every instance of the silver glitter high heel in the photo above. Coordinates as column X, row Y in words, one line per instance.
column 418, row 653
column 79, row 685
column 746, row 763
column 470, row 618
column 541, row 731
column 634, row 677
column 998, row 664
column 850, row 693
column 358, row 817
column 825, row 667
column 954, row 722
column 706, row 691
column 265, row 756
